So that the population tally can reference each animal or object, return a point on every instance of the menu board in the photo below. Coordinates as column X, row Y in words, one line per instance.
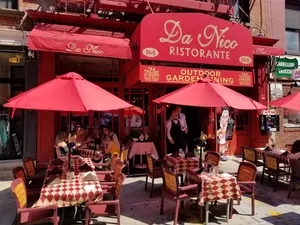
column 230, row 129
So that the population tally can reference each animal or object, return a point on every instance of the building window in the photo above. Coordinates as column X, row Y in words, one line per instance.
column 12, row 74
column 136, row 119
column 292, row 40
column 291, row 118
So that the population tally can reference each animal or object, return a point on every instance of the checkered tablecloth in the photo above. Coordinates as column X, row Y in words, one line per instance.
column 142, row 148
column 215, row 186
column 95, row 155
column 182, row 164
column 70, row 192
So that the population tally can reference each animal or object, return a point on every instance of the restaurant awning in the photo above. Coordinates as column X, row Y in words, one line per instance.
column 267, row 50
column 79, row 40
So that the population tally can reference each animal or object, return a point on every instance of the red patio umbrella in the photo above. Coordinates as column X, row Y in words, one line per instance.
column 208, row 93
column 288, row 102
column 69, row 92
column 133, row 111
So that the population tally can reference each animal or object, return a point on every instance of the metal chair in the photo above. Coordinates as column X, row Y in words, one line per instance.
column 31, row 170
column 295, row 181
column 213, row 157
column 246, row 179
column 124, row 159
column 31, row 215
column 174, row 192
column 251, row 155
column 103, row 207
column 154, row 171
column 272, row 168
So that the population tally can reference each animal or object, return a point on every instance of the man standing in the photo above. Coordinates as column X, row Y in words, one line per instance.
column 175, row 134
column 184, row 126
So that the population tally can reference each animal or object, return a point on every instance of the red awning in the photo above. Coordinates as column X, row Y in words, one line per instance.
column 267, row 50
column 79, row 40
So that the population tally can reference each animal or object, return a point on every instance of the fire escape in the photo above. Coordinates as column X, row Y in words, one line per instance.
column 124, row 15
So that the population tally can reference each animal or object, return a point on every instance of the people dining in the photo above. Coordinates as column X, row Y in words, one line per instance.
column 295, row 152
column 79, row 138
column 61, row 143
column 110, row 141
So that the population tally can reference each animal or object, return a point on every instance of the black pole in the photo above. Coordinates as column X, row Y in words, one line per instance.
column 70, row 126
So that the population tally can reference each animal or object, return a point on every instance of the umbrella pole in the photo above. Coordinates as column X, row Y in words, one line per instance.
column 70, row 135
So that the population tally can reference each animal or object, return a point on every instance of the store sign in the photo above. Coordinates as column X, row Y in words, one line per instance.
column 175, row 37
column 285, row 67
column 269, row 112
column 296, row 74
column 179, row 75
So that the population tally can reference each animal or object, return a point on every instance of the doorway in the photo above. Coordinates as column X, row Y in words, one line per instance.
column 196, row 118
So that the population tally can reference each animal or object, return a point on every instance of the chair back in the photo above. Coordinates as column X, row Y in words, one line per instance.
column 113, row 161
column 249, row 154
column 246, row 172
column 29, row 167
column 271, row 162
column 18, row 189
column 18, row 172
column 119, row 184
column 124, row 154
column 214, row 158
column 150, row 163
column 118, row 169
column 295, row 164
column 170, row 181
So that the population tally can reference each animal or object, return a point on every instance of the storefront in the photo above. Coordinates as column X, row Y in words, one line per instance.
column 150, row 65
column 284, row 81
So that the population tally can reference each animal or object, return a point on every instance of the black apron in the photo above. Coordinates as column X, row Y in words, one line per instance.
column 177, row 136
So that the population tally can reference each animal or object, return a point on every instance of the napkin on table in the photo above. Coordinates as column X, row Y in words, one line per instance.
column 89, row 177
column 54, row 171
column 86, row 167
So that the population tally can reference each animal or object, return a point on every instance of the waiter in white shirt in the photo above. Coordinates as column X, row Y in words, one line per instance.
column 176, row 128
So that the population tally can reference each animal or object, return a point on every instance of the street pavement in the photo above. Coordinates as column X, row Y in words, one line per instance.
column 137, row 208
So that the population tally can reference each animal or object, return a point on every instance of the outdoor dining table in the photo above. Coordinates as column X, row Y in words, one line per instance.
column 142, row 148
column 181, row 164
column 70, row 191
column 214, row 187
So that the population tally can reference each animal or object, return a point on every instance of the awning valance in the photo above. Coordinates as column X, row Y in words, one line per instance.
column 79, row 40
column 267, row 50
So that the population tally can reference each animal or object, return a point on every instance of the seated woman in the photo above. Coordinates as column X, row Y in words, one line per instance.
column 110, row 141
column 61, row 144
column 79, row 138
column 295, row 152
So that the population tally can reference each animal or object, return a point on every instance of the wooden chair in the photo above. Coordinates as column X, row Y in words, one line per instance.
column 110, row 166
column 31, row 215
column 246, row 179
column 104, row 207
column 295, row 181
column 33, row 184
column 31, row 170
column 108, row 177
column 271, row 167
column 213, row 157
column 154, row 171
column 124, row 159
column 174, row 192
column 251, row 155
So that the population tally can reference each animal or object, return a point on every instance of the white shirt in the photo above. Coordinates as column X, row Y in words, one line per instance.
column 182, row 121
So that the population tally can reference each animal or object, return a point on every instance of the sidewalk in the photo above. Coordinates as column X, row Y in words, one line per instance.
column 138, row 209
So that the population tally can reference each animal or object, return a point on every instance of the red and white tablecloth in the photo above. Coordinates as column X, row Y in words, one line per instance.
column 95, row 155
column 181, row 164
column 70, row 192
column 215, row 186
column 142, row 148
